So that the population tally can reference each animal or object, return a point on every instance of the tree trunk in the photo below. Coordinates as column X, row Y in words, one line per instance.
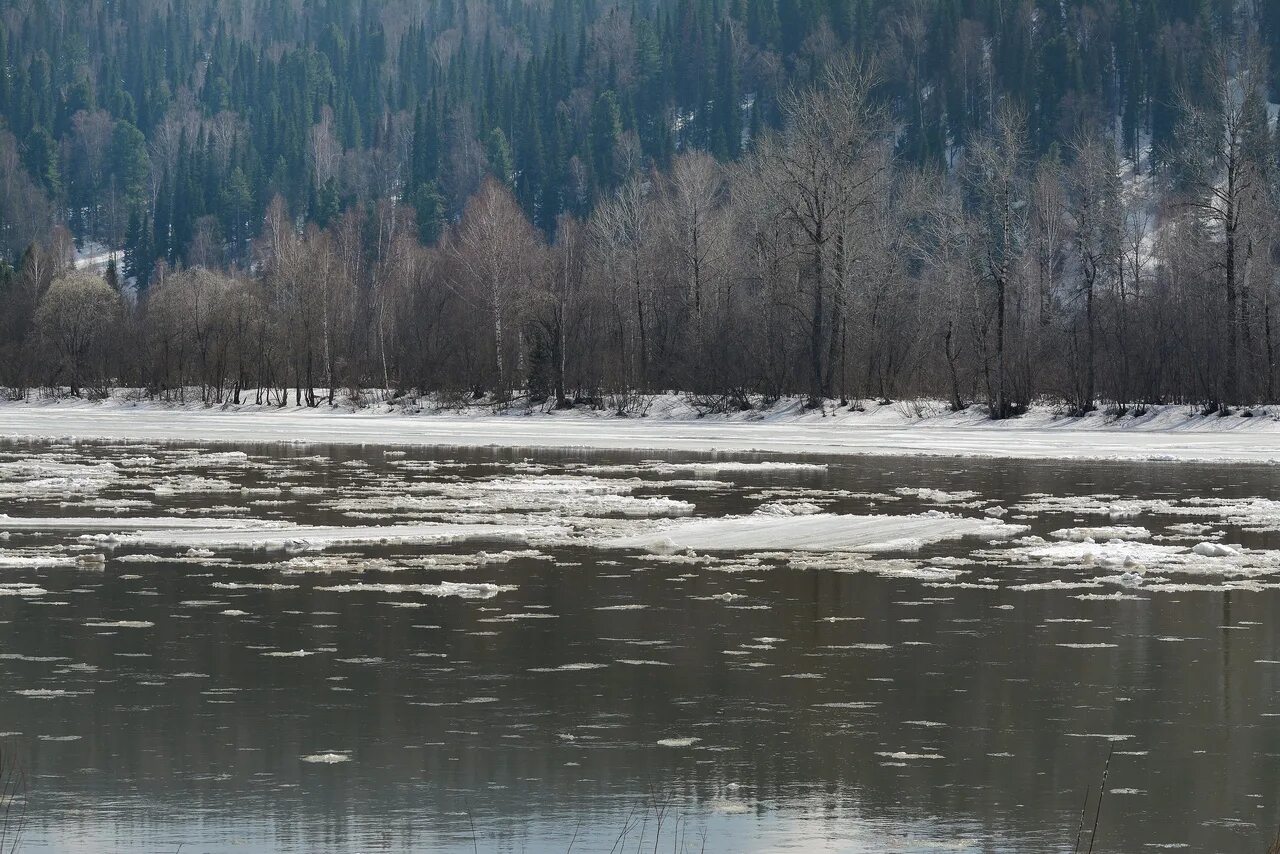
column 1230, row 375
column 1090, row 368
column 817, row 322
column 952, row 358
column 1001, row 407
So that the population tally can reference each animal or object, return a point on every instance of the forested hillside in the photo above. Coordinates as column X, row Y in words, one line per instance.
column 980, row 200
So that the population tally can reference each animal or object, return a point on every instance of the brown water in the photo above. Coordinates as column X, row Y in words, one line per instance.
column 923, row 717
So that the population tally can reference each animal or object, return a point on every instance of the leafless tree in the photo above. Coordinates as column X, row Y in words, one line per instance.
column 76, row 318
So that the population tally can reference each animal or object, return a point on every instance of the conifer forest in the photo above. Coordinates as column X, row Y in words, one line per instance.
column 979, row 201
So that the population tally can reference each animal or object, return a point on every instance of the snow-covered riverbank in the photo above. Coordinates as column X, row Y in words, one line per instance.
column 1164, row 433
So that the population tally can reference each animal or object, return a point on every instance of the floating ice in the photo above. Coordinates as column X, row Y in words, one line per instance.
column 327, row 758
column 561, row 495
column 902, row 755
column 48, row 693
column 1213, row 550
column 823, row 532
column 297, row 653
column 1117, row 532
column 788, row 508
column 42, row 478
column 937, row 496
column 14, row 560
column 444, row 588
column 210, row 533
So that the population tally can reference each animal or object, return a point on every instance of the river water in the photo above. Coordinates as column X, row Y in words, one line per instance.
column 539, row 687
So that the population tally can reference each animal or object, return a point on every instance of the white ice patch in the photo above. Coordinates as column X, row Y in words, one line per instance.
column 20, row 589
column 213, row 533
column 568, row 668
column 1142, row 563
column 902, row 755
column 29, row 560
column 822, row 532
column 937, row 496
column 561, row 495
column 43, row 478
column 48, row 693
column 1250, row 514
column 1116, row 532
column 327, row 758
column 462, row 590
column 211, row 459
column 296, row 653
column 788, row 508
column 663, row 467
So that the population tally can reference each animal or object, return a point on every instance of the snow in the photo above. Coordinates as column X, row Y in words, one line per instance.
column 96, row 256
column 821, row 532
column 1164, row 433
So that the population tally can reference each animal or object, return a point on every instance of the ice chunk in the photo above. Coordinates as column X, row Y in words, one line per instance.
column 822, row 532
column 1213, row 550
column 1116, row 532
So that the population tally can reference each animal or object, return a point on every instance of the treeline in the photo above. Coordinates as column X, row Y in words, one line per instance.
column 167, row 128
column 822, row 263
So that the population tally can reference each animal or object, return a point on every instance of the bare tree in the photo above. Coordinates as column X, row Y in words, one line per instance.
column 621, row 230
column 825, row 169
column 494, row 247
column 76, row 319
column 996, row 172
column 1223, row 188
column 1095, row 214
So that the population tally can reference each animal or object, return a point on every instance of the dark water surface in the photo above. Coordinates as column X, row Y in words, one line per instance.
column 820, row 711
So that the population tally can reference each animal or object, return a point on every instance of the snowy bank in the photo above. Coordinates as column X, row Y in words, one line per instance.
column 672, row 424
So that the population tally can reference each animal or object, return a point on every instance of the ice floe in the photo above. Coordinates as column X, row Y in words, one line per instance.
column 215, row 533
column 464, row 590
column 1116, row 532
column 822, row 532
column 327, row 758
